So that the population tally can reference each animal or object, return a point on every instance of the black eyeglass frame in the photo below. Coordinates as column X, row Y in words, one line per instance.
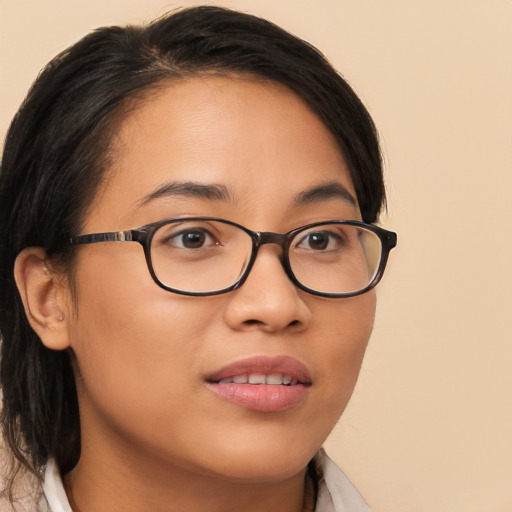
column 144, row 236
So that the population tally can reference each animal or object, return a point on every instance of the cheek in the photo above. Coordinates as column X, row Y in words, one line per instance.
column 351, row 334
column 120, row 303
column 343, row 340
column 133, row 341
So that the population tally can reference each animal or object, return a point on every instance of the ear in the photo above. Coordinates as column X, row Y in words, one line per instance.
column 44, row 297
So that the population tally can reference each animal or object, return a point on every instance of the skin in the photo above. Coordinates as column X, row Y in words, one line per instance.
column 154, row 436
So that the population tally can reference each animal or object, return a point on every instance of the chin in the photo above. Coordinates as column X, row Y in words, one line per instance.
column 267, row 470
column 275, row 460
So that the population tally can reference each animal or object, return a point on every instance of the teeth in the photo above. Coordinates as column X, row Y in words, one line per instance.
column 275, row 379
column 255, row 378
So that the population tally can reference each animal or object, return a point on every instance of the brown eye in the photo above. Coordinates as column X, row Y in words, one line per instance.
column 191, row 239
column 319, row 241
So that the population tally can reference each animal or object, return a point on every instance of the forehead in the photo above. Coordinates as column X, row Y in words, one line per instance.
column 256, row 138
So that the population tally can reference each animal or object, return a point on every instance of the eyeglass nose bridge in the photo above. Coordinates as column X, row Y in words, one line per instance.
column 267, row 237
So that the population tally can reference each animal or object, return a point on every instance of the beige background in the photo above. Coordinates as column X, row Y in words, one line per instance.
column 430, row 424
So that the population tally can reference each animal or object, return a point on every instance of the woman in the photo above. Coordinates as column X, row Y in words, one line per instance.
column 187, row 269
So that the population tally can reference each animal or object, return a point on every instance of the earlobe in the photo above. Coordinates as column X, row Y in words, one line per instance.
column 43, row 298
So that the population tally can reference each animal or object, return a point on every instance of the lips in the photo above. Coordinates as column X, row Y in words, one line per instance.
column 263, row 384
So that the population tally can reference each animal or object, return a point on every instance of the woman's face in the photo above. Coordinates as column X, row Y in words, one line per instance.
column 147, row 359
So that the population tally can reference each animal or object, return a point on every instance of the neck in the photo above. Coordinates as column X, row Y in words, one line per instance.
column 131, row 487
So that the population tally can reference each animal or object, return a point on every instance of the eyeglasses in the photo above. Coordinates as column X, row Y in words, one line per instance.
column 208, row 256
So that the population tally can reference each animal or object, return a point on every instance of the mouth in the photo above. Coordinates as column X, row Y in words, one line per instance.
column 262, row 384
column 274, row 379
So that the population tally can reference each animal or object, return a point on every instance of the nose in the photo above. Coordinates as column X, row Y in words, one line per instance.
column 268, row 300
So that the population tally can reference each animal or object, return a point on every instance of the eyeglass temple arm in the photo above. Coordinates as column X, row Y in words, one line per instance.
column 115, row 236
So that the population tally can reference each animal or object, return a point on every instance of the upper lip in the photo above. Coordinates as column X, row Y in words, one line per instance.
column 263, row 365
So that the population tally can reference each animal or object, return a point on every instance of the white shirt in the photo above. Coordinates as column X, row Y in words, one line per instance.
column 335, row 491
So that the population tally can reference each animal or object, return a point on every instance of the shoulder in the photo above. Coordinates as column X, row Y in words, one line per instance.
column 336, row 493
column 32, row 494
column 20, row 490
column 24, row 495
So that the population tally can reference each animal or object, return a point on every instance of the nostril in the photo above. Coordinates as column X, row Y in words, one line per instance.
column 253, row 322
column 259, row 323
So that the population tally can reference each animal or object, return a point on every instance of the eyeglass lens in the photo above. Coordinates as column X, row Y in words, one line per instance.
column 206, row 256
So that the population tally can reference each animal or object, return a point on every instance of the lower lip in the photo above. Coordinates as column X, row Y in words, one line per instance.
column 261, row 397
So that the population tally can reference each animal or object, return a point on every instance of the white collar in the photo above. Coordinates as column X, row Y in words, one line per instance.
column 335, row 491
column 54, row 489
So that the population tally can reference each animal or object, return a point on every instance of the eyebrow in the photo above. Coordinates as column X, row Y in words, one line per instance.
column 330, row 190
column 217, row 192
column 212, row 192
